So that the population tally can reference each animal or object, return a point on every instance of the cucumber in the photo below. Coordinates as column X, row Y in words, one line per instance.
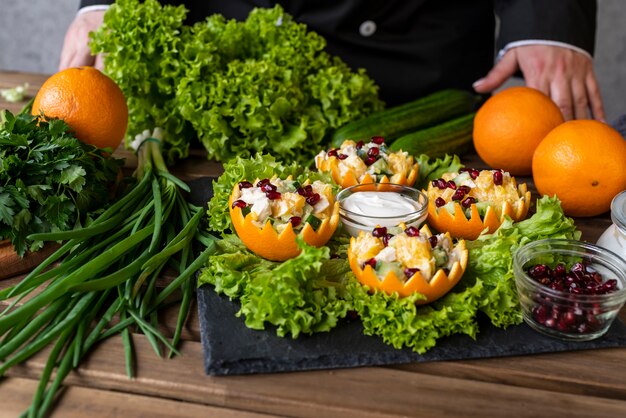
column 396, row 121
column 451, row 137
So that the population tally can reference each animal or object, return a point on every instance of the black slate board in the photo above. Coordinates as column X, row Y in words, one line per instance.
column 231, row 348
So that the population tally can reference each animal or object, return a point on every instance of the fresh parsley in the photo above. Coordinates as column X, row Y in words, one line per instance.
column 49, row 180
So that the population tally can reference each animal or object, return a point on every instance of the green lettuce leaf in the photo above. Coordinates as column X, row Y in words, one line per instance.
column 432, row 169
column 491, row 257
column 302, row 295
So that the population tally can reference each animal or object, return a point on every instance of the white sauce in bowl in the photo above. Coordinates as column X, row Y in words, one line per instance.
column 362, row 211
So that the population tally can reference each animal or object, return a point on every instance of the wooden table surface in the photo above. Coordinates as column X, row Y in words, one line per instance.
column 582, row 383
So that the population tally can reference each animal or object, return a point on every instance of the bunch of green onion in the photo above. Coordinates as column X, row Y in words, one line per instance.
column 103, row 280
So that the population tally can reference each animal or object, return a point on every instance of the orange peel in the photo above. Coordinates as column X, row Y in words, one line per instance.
column 348, row 179
column 266, row 242
column 459, row 226
column 440, row 284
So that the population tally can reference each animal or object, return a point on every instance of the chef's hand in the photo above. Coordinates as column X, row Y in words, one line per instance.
column 76, row 50
column 562, row 73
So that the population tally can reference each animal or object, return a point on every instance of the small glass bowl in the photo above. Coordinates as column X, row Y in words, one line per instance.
column 354, row 221
column 568, row 316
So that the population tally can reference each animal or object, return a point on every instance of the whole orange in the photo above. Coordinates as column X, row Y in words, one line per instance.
column 509, row 126
column 91, row 104
column 583, row 163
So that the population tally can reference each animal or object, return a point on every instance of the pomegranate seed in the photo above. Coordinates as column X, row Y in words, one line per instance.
column 464, row 169
column 560, row 270
column 497, row 178
column 386, row 239
column 410, row 272
column 359, row 144
column 268, row 187
column 467, row 202
column 465, row 189
column 371, row 262
column 373, row 152
column 262, row 182
column 300, row 191
column 412, row 232
column 379, row 232
column 433, row 241
column 332, row 153
column 440, row 184
column 439, row 202
column 578, row 267
column 474, row 174
column 239, row 204
column 378, row 140
column 313, row 199
column 458, row 195
column 273, row 195
column 538, row 271
column 295, row 220
column 451, row 185
column 370, row 160
column 342, row 156
column 244, row 185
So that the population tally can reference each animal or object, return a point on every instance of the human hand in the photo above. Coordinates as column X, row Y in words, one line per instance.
column 76, row 50
column 564, row 74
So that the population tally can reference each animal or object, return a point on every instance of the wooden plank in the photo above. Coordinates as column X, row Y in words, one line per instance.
column 80, row 402
column 588, row 372
column 359, row 392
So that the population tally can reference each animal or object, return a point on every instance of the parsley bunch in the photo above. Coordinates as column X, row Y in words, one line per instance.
column 49, row 180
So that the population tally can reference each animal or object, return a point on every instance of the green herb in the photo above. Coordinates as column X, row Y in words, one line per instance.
column 265, row 84
column 302, row 295
column 104, row 269
column 49, row 180
column 432, row 169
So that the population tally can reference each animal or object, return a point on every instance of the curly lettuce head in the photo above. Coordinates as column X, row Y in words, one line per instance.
column 265, row 84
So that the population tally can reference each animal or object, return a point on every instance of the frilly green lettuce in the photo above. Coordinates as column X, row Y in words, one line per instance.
column 264, row 84
column 302, row 295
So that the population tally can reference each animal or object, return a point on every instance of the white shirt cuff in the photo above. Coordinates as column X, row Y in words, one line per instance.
column 94, row 8
column 515, row 44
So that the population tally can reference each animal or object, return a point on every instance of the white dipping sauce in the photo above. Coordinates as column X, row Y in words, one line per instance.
column 370, row 209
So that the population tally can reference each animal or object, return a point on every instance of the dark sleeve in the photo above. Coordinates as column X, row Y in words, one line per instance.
column 569, row 21
column 85, row 3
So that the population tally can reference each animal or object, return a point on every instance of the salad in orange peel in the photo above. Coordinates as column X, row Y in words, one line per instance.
column 407, row 260
column 470, row 201
column 269, row 214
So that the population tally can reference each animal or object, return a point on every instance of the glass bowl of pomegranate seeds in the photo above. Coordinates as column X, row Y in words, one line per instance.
column 365, row 206
column 568, row 289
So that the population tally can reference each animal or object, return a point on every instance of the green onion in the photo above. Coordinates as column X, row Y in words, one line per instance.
column 105, row 269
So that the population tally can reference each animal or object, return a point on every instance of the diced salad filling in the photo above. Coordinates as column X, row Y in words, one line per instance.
column 485, row 188
column 405, row 251
column 373, row 157
column 284, row 202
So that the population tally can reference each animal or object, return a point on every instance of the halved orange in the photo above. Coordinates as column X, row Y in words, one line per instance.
column 459, row 226
column 349, row 179
column 440, row 284
column 266, row 242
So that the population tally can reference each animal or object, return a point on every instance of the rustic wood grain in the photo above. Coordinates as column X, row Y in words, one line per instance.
column 79, row 402
column 360, row 392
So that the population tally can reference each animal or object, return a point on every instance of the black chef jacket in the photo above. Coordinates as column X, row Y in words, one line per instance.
column 414, row 47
